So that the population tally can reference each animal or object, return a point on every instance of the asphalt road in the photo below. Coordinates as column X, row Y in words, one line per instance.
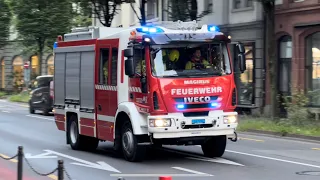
column 252, row 157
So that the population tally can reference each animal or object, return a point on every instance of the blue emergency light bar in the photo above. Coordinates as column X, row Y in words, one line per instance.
column 211, row 105
column 149, row 30
column 55, row 45
column 213, row 28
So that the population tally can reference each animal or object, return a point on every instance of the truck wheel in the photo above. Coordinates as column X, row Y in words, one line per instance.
column 215, row 146
column 130, row 148
column 78, row 141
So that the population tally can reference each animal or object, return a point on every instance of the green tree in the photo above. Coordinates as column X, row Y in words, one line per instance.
column 103, row 10
column 41, row 21
column 5, row 19
column 185, row 10
column 270, row 43
column 82, row 15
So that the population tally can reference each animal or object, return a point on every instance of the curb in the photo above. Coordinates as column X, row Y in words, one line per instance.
column 298, row 137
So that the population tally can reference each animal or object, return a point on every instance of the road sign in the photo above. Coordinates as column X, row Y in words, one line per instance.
column 26, row 65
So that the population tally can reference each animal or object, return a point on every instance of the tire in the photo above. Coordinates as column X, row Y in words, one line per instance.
column 78, row 141
column 31, row 110
column 129, row 144
column 215, row 146
column 46, row 112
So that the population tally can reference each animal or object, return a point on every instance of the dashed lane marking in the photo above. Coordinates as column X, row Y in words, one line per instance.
column 48, row 119
column 249, row 139
column 316, row 149
column 275, row 159
column 191, row 171
column 51, row 176
column 5, row 111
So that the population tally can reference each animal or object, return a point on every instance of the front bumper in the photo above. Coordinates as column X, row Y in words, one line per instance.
column 215, row 124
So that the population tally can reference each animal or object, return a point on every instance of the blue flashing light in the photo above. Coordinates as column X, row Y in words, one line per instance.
column 215, row 105
column 213, row 28
column 55, row 45
column 180, row 106
column 149, row 30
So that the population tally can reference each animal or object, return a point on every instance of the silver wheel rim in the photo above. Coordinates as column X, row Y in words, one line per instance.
column 127, row 141
column 73, row 132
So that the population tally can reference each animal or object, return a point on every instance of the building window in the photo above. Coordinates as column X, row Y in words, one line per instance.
column 151, row 9
column 35, row 67
column 313, row 68
column 236, row 4
column 208, row 5
column 285, row 55
column 50, row 65
column 249, row 3
column 17, row 72
column 104, row 66
column 114, row 66
column 247, row 78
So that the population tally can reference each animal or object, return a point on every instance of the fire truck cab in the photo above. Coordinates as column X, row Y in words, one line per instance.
column 171, row 83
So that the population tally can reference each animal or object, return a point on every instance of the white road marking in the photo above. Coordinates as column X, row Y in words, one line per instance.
column 40, row 117
column 99, row 165
column 201, row 158
column 216, row 160
column 159, row 175
column 275, row 159
column 191, row 171
column 39, row 156
column 6, row 111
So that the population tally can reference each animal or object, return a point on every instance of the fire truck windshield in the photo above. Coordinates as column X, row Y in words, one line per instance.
column 190, row 60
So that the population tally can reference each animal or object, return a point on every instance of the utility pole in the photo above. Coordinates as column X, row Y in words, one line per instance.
column 143, row 12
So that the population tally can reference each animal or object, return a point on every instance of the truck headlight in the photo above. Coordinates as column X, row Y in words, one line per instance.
column 230, row 119
column 161, row 122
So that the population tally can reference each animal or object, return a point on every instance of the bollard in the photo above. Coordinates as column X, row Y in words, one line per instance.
column 60, row 169
column 165, row 178
column 20, row 162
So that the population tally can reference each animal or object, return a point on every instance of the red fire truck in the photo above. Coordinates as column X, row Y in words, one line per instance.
column 171, row 83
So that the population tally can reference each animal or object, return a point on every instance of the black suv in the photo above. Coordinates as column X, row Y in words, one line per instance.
column 40, row 98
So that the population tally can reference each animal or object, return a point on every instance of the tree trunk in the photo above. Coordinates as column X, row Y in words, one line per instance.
column 271, row 57
column 41, row 47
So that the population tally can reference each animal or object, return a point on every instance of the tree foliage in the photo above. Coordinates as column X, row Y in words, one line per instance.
column 5, row 18
column 185, row 10
column 103, row 10
column 41, row 21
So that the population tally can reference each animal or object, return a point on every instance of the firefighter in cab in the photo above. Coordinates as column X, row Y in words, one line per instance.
column 171, row 59
column 197, row 61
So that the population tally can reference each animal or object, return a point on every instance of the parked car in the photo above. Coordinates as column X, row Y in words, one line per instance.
column 41, row 95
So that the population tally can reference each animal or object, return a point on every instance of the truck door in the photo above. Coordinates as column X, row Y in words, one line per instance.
column 106, row 88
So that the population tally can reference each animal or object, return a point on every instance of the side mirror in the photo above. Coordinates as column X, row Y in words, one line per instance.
column 129, row 67
column 240, row 48
column 128, row 52
column 242, row 62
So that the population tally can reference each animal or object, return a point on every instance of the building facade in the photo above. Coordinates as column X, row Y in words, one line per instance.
column 12, row 61
column 297, row 29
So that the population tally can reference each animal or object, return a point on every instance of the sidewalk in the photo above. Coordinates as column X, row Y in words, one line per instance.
column 8, row 171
